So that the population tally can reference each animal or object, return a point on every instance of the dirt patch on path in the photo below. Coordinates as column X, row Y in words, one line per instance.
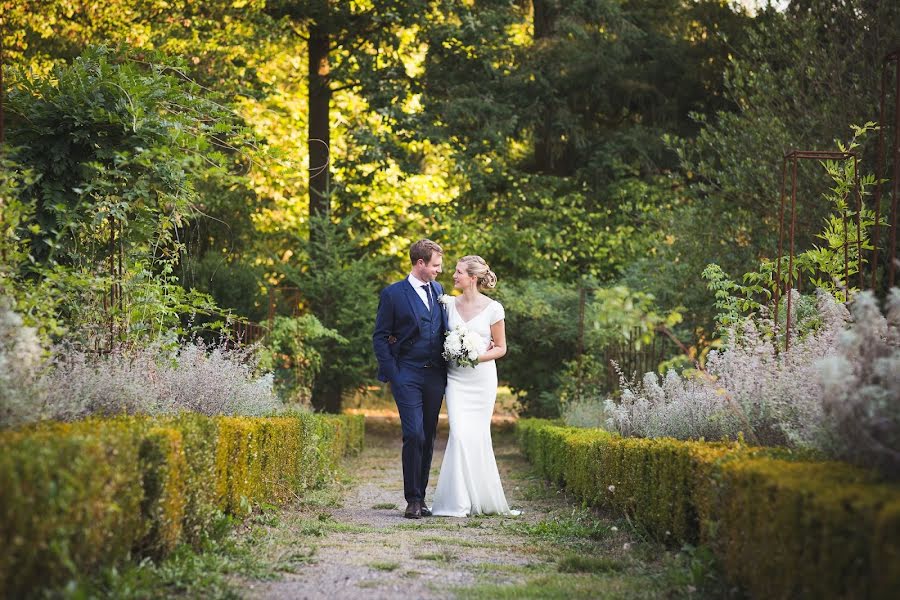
column 351, row 540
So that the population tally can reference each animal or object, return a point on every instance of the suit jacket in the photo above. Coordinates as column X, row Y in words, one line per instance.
column 398, row 321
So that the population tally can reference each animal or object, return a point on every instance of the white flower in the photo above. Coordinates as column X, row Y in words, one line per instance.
column 445, row 299
column 462, row 346
column 612, row 488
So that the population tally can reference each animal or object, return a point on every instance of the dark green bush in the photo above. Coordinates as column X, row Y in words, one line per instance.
column 76, row 497
column 70, row 501
column 781, row 526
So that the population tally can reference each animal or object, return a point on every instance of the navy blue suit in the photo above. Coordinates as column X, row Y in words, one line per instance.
column 408, row 341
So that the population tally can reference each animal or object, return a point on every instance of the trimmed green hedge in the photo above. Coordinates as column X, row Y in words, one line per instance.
column 782, row 527
column 75, row 497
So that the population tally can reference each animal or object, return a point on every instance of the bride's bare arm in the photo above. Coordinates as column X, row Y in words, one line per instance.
column 498, row 343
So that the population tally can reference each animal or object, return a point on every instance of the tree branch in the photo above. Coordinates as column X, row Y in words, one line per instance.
column 346, row 86
column 361, row 33
column 294, row 30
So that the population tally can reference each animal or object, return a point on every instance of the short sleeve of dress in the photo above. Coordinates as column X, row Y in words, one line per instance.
column 497, row 312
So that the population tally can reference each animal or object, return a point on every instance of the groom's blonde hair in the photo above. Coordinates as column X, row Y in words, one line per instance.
column 423, row 249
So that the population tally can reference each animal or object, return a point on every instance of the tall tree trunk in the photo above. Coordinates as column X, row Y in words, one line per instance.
column 327, row 396
column 319, row 132
column 2, row 136
column 324, row 397
column 544, row 13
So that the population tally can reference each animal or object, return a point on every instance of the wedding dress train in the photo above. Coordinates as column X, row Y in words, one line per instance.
column 469, row 482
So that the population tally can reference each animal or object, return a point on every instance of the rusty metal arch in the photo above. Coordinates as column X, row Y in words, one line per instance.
column 794, row 158
column 891, row 57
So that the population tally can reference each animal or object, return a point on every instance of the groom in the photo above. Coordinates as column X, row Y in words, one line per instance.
column 408, row 341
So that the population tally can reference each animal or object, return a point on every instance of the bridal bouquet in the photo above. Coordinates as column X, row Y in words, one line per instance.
column 461, row 346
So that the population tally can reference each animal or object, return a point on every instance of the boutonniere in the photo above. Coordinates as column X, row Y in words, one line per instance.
column 445, row 299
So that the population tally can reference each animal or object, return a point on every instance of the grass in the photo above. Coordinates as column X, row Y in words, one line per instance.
column 560, row 586
column 539, row 490
column 327, row 496
column 443, row 556
column 186, row 573
column 567, row 553
column 324, row 524
column 350, row 528
column 308, row 527
column 577, row 527
column 292, row 561
column 487, row 568
column 684, row 574
column 464, row 543
column 579, row 563
column 422, row 525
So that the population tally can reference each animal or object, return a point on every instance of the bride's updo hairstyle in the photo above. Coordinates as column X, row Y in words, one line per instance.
column 476, row 267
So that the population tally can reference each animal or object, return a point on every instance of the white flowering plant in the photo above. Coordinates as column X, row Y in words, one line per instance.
column 835, row 391
column 445, row 299
column 461, row 346
column 67, row 383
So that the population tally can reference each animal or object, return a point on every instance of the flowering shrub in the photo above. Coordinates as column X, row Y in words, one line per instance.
column 20, row 359
column 836, row 390
column 212, row 380
column 861, row 386
column 772, row 397
column 584, row 412
column 72, row 383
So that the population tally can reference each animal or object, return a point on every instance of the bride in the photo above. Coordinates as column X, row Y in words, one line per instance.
column 469, row 482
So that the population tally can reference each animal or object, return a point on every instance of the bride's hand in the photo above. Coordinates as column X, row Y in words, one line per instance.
column 490, row 347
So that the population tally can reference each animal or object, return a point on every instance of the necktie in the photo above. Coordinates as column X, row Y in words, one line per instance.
column 427, row 289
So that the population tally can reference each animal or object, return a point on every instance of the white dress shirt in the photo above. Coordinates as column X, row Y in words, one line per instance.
column 417, row 285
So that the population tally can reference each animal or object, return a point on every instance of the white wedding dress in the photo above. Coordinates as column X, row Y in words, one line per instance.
column 469, row 482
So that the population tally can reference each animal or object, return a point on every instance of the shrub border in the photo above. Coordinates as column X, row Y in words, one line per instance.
column 76, row 497
column 781, row 526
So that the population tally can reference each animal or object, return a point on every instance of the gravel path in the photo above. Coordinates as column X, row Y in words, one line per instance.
column 350, row 540
column 365, row 548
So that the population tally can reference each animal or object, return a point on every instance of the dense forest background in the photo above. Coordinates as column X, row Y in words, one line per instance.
column 177, row 167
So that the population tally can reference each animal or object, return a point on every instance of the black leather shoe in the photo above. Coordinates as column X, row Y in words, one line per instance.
column 413, row 510
column 426, row 512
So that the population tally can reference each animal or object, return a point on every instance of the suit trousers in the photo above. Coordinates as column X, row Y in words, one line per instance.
column 418, row 392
